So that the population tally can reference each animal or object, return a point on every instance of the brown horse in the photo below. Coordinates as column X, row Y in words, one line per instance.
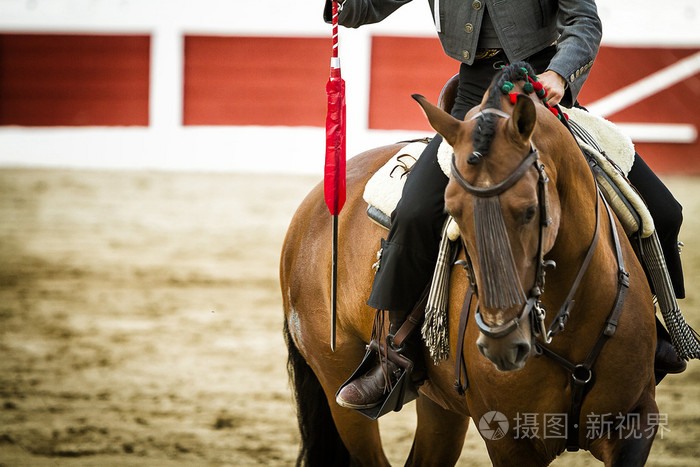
column 549, row 211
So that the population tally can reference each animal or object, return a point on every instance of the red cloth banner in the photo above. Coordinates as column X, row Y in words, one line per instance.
column 334, row 173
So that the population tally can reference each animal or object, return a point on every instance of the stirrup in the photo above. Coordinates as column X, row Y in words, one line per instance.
column 403, row 390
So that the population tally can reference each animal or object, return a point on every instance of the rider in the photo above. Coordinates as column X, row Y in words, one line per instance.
column 560, row 39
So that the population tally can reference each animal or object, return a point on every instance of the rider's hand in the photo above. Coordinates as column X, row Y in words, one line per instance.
column 554, row 84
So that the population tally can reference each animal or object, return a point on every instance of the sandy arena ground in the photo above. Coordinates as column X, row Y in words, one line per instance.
column 140, row 324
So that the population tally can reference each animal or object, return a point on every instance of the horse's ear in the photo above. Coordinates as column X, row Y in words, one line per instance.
column 524, row 117
column 441, row 121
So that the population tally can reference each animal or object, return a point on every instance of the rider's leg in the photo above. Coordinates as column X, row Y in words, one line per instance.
column 665, row 358
column 408, row 254
column 405, row 268
column 668, row 216
column 368, row 390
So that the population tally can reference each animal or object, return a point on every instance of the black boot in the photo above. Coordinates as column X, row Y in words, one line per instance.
column 666, row 360
column 370, row 389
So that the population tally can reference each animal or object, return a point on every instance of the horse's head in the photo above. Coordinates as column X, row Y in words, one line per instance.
column 508, row 217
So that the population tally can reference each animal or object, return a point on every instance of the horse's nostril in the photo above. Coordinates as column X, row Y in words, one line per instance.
column 523, row 352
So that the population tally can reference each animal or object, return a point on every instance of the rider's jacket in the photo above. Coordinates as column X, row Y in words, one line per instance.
column 524, row 27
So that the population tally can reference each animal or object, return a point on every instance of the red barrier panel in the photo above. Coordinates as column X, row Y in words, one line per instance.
column 402, row 66
column 73, row 79
column 255, row 80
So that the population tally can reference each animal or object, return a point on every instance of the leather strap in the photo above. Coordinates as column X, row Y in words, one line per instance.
column 622, row 278
column 582, row 375
column 486, row 192
column 563, row 313
column 413, row 320
column 460, row 364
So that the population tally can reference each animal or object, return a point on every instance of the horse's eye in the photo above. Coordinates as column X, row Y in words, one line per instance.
column 529, row 214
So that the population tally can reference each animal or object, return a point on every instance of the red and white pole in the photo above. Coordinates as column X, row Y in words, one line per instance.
column 334, row 173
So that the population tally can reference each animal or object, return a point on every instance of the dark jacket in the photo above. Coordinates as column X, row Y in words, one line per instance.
column 524, row 27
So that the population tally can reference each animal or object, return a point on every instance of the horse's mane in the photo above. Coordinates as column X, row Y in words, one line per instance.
column 501, row 84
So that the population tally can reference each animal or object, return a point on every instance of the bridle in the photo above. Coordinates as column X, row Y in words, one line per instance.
column 582, row 373
column 532, row 301
column 533, row 298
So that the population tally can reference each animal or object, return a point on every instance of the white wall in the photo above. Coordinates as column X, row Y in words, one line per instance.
column 166, row 144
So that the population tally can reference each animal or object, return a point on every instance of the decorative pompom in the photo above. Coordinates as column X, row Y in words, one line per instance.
column 554, row 111
column 566, row 116
column 537, row 86
column 528, row 88
column 507, row 87
column 513, row 97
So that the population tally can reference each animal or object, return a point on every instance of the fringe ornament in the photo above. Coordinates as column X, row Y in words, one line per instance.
column 435, row 327
column 685, row 339
column 501, row 282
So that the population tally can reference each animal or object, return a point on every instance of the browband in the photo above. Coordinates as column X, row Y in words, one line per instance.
column 501, row 187
column 493, row 111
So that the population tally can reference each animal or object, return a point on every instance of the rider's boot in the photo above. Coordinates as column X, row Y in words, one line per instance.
column 370, row 389
column 666, row 360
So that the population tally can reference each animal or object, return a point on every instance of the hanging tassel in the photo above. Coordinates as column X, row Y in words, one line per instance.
column 685, row 339
column 435, row 327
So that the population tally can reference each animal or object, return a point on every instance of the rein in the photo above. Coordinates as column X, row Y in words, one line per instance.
column 582, row 374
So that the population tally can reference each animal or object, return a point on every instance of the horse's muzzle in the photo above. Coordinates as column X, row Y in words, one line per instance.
column 507, row 353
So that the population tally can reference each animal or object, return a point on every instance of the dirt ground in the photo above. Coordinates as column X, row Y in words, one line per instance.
column 140, row 324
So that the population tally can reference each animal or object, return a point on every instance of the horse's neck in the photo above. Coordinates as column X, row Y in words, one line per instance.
column 579, row 216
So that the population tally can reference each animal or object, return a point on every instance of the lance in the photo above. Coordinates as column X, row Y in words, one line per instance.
column 334, row 174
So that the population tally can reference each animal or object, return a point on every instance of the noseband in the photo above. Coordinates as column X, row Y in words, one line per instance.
column 532, row 301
